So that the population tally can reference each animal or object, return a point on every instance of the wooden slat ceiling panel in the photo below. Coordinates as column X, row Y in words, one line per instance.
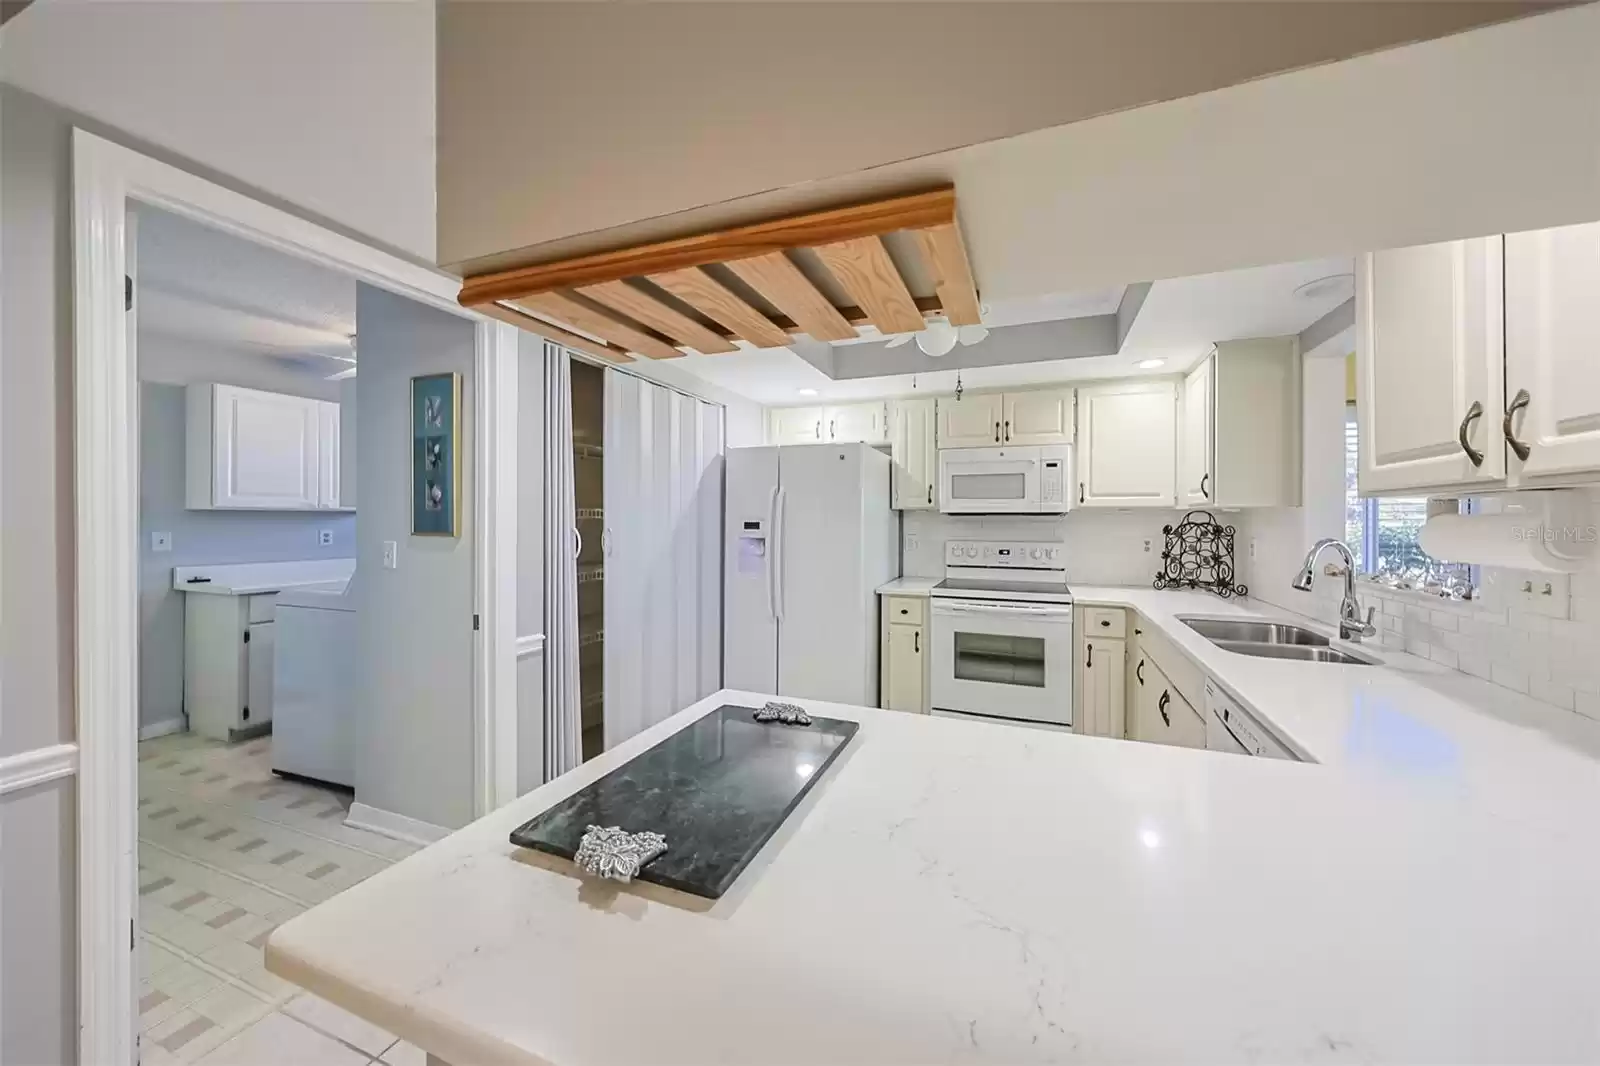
column 593, row 320
column 555, row 333
column 762, row 293
column 864, row 268
column 641, row 306
column 946, row 256
column 780, row 281
column 714, row 300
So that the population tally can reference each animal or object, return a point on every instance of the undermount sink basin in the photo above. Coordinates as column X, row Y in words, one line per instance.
column 1218, row 630
column 1273, row 640
column 1302, row 652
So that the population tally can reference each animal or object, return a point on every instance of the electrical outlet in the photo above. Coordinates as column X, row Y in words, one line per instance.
column 913, row 543
column 161, row 542
column 324, row 537
column 391, row 555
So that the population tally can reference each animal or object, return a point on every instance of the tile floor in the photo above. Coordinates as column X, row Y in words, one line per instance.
column 227, row 852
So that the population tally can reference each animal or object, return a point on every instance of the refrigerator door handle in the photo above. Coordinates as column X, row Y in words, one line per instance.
column 772, row 552
column 777, row 553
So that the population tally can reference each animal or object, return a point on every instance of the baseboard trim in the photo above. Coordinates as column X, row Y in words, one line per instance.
column 28, row 768
column 163, row 728
column 392, row 825
column 527, row 645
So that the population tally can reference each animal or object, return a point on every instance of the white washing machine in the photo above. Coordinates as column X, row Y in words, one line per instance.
column 314, row 662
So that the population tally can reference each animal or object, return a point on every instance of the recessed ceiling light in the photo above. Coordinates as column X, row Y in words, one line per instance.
column 808, row 392
column 1333, row 287
column 1151, row 364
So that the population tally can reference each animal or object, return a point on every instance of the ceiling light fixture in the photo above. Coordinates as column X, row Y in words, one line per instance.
column 808, row 392
column 1151, row 364
column 939, row 337
column 1339, row 287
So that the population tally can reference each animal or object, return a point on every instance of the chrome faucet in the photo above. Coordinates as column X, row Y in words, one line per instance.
column 1352, row 626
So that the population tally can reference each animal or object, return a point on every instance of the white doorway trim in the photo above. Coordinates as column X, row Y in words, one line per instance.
column 106, row 446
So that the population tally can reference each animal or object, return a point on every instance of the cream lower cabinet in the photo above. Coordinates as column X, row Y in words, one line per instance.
column 227, row 664
column 1102, row 665
column 1128, row 446
column 913, row 447
column 903, row 658
column 1159, row 713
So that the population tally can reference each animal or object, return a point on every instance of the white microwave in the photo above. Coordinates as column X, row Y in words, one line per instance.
column 1004, row 480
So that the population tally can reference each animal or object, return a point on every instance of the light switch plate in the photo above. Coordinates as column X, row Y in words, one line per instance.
column 161, row 542
column 391, row 555
column 324, row 537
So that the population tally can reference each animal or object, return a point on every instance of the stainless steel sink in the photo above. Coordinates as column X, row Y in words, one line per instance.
column 1302, row 652
column 1218, row 630
column 1273, row 640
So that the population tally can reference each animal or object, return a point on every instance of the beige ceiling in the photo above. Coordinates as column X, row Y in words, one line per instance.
column 563, row 119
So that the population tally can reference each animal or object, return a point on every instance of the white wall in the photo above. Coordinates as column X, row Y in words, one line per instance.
column 328, row 106
column 180, row 361
column 414, row 752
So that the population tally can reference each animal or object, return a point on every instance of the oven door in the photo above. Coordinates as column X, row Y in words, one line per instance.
column 989, row 480
column 1003, row 660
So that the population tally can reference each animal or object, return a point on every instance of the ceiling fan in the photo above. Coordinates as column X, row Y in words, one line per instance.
column 939, row 337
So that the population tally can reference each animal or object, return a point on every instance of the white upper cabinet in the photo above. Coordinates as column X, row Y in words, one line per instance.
column 795, row 425
column 1042, row 416
column 1239, row 427
column 971, row 421
column 864, row 423
column 1127, row 452
column 916, row 460
column 1430, row 334
column 1195, row 441
column 1552, row 356
column 264, row 451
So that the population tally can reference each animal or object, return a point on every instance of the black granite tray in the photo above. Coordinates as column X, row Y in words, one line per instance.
column 717, row 790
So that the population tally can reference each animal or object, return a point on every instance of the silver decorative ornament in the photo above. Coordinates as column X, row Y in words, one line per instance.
column 787, row 713
column 615, row 853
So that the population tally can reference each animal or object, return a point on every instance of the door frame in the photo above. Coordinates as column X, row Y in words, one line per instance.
column 105, row 177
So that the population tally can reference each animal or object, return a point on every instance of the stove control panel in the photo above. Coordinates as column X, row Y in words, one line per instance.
column 1003, row 553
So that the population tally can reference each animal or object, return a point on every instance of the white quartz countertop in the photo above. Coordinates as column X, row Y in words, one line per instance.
column 909, row 586
column 960, row 891
column 251, row 579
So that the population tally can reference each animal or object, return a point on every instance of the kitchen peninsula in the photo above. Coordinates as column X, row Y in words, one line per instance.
column 959, row 891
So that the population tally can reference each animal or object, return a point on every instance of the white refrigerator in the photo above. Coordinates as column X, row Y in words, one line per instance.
column 810, row 538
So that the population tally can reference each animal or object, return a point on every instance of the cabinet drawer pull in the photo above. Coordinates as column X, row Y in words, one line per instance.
column 1473, row 412
column 1105, row 621
column 1521, row 400
column 1161, row 705
column 1138, row 671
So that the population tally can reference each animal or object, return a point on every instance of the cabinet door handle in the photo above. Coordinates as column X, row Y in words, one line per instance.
column 916, row 641
column 1080, row 492
column 1161, row 705
column 1204, row 478
column 1008, row 429
column 818, row 433
column 930, row 494
column 832, row 431
column 1473, row 412
column 1138, row 671
column 1521, row 400
column 997, row 433
column 1088, row 663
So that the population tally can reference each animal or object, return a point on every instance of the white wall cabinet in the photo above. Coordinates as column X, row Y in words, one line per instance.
column 903, row 662
column 913, row 447
column 1430, row 335
column 228, row 646
column 971, row 421
column 1239, row 427
column 251, row 450
column 795, row 425
column 1552, row 355
column 1039, row 416
column 984, row 420
column 1102, row 666
column 1127, row 452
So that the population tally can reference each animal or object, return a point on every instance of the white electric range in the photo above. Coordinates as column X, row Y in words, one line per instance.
column 1002, row 633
